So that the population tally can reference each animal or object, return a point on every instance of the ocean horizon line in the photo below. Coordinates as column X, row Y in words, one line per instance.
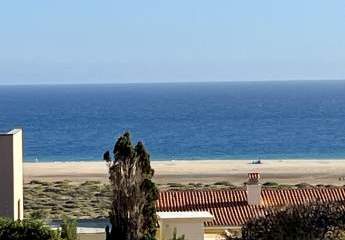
column 171, row 82
column 252, row 160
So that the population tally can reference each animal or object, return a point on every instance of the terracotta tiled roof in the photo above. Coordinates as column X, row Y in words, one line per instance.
column 230, row 207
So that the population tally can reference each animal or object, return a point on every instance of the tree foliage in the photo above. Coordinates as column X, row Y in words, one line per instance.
column 316, row 221
column 133, row 212
column 28, row 229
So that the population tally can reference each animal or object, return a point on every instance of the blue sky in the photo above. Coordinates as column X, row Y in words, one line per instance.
column 170, row 41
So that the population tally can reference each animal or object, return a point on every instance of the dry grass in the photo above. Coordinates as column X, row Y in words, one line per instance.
column 91, row 199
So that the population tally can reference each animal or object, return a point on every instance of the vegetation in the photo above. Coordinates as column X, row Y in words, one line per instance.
column 175, row 185
column 224, row 183
column 69, row 229
column 54, row 200
column 91, row 199
column 306, row 222
column 28, row 229
column 270, row 184
column 133, row 212
column 175, row 236
column 35, row 229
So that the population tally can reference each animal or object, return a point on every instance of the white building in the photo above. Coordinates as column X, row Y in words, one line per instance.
column 187, row 224
column 11, row 172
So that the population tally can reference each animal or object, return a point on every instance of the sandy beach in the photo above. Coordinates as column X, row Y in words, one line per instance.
column 206, row 171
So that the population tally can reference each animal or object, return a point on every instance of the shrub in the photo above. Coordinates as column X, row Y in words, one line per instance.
column 175, row 236
column 36, row 182
column 29, row 229
column 69, row 229
column 175, row 185
column 303, row 185
column 223, row 183
column 270, row 184
column 38, row 214
column 307, row 222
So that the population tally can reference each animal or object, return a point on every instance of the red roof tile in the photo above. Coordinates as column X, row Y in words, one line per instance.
column 230, row 207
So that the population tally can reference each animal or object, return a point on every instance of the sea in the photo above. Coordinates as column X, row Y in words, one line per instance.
column 180, row 121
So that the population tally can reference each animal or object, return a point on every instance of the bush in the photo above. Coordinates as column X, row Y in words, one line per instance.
column 223, row 183
column 69, row 229
column 175, row 185
column 29, row 229
column 175, row 236
column 270, row 184
column 38, row 214
column 307, row 222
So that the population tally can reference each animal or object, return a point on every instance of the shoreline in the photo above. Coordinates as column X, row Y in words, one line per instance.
column 192, row 160
column 282, row 171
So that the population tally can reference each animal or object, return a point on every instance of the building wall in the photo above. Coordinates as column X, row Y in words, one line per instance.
column 254, row 194
column 220, row 231
column 11, row 174
column 6, row 176
column 18, row 174
column 193, row 230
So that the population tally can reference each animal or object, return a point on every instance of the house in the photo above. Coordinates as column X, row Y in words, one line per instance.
column 231, row 208
column 188, row 224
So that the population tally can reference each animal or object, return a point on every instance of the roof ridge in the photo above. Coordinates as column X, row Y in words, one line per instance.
column 263, row 189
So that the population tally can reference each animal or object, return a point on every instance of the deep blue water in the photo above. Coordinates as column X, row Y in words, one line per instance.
column 302, row 119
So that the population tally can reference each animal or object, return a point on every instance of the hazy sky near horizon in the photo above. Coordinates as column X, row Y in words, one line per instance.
column 85, row 41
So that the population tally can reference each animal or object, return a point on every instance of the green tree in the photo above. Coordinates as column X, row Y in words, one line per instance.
column 132, row 213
